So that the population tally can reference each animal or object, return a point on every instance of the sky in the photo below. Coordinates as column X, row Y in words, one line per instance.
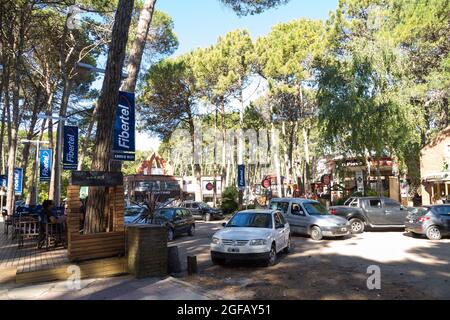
column 199, row 23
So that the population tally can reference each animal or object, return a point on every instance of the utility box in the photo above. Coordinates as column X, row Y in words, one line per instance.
column 147, row 250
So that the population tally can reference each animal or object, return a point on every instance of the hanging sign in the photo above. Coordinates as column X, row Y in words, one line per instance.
column 124, row 137
column 70, row 156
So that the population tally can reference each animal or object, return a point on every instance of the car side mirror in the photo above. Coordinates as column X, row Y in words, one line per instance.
column 224, row 224
column 279, row 226
column 402, row 207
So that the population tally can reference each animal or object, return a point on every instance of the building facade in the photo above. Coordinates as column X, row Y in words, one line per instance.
column 435, row 169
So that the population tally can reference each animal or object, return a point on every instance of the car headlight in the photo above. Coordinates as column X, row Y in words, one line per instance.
column 215, row 240
column 258, row 242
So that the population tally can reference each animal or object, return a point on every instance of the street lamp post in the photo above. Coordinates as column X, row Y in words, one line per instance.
column 36, row 166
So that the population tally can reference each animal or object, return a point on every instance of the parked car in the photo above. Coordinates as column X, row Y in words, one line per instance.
column 177, row 220
column 374, row 212
column 432, row 221
column 311, row 218
column 252, row 235
column 201, row 210
column 134, row 214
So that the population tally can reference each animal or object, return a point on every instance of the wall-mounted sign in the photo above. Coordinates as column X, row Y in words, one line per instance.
column 209, row 186
column 359, row 180
column 124, row 137
column 266, row 183
column 45, row 167
column 96, row 179
column 70, row 156
column 325, row 179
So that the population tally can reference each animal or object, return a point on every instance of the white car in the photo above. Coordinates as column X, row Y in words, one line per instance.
column 252, row 235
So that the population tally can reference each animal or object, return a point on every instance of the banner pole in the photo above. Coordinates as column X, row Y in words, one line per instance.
column 36, row 188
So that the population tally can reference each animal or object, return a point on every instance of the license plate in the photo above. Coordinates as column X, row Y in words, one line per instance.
column 233, row 250
column 344, row 229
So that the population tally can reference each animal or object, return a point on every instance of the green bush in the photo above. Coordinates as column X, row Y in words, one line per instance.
column 229, row 200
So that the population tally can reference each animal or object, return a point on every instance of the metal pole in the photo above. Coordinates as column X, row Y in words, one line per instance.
column 36, row 187
column 58, row 163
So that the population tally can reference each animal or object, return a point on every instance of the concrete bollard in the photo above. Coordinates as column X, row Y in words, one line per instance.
column 192, row 265
column 174, row 263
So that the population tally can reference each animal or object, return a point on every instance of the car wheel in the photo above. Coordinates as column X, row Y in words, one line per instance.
column 433, row 233
column 217, row 261
column 207, row 217
column 272, row 259
column 170, row 235
column 316, row 233
column 288, row 247
column 357, row 225
column 191, row 231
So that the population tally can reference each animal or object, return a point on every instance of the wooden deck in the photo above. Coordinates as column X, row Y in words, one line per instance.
column 31, row 265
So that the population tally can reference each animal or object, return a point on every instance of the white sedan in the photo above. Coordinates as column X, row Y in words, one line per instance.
column 252, row 235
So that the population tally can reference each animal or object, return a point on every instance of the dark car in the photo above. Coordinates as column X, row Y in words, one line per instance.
column 373, row 212
column 203, row 211
column 432, row 221
column 177, row 220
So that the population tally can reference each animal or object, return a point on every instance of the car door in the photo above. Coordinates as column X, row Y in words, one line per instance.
column 443, row 213
column 394, row 214
column 299, row 217
column 195, row 209
column 280, row 230
column 375, row 211
column 179, row 222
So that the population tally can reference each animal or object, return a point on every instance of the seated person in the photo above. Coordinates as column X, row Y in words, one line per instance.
column 51, row 216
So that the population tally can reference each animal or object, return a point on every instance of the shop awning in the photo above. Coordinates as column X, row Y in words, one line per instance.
column 438, row 177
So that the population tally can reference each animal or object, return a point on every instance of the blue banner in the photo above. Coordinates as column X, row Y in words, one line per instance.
column 18, row 181
column 45, row 168
column 124, row 137
column 241, row 176
column 3, row 181
column 70, row 155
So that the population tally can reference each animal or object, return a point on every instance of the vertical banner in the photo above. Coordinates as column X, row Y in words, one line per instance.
column 45, row 168
column 241, row 176
column 124, row 136
column 3, row 181
column 18, row 181
column 70, row 156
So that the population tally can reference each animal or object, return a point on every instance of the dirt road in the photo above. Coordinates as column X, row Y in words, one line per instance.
column 329, row 269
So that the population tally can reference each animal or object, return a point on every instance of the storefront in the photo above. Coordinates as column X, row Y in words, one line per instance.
column 435, row 170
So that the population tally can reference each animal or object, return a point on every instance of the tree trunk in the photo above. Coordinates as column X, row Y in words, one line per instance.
column 138, row 46
column 87, row 139
column 106, row 113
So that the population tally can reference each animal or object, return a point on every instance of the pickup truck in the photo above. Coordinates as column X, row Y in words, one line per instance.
column 373, row 212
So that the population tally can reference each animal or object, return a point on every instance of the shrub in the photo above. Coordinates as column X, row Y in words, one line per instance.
column 229, row 200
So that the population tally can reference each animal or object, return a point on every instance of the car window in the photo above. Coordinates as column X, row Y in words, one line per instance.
column 348, row 201
column 281, row 218
column 389, row 203
column 187, row 213
column 296, row 209
column 195, row 205
column 316, row 209
column 187, row 205
column 442, row 211
column 282, row 206
column 251, row 220
column 375, row 203
column 164, row 213
column 354, row 203
column 277, row 220
column 179, row 213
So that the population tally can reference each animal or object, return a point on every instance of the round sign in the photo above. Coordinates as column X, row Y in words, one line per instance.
column 266, row 183
column 209, row 186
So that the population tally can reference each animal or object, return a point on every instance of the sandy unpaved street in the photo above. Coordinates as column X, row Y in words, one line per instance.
column 330, row 269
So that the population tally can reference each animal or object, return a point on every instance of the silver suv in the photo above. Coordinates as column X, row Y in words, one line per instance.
column 311, row 218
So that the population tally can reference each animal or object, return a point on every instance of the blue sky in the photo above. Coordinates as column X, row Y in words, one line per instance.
column 199, row 23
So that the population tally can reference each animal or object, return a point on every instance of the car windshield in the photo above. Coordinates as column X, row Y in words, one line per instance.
column 204, row 205
column 442, row 210
column 316, row 209
column 251, row 220
column 164, row 213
